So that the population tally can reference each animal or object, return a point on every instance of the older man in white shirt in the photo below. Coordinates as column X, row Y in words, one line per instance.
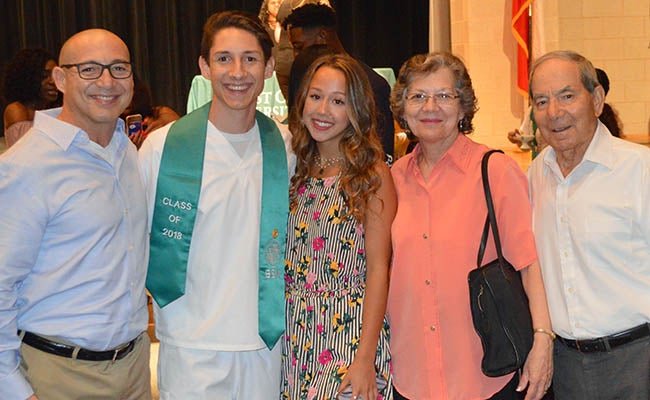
column 591, row 209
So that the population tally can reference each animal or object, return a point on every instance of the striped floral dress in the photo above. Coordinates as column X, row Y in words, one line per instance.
column 325, row 275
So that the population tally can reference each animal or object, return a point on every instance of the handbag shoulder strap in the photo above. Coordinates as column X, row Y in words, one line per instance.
column 491, row 219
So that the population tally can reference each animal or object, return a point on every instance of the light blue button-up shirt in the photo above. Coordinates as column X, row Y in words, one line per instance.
column 73, row 242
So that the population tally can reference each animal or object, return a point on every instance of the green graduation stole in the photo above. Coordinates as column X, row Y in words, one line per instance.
column 175, row 208
column 273, row 231
column 176, row 202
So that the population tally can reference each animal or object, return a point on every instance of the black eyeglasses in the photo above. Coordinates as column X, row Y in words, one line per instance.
column 92, row 70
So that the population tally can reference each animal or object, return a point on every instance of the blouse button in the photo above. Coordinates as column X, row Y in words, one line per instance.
column 433, row 328
column 427, row 282
column 424, row 235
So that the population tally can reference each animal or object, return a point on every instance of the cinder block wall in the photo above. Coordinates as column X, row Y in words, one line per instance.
column 613, row 34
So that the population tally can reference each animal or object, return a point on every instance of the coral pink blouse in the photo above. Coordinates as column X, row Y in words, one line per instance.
column 436, row 234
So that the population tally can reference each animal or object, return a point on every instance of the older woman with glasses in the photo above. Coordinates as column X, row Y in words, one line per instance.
column 436, row 234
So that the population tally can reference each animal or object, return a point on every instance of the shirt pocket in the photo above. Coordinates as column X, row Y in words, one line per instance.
column 607, row 235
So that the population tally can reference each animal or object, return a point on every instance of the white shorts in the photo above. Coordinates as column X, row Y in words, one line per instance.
column 186, row 374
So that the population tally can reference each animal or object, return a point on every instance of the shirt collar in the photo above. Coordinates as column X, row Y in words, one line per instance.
column 600, row 148
column 64, row 133
column 457, row 155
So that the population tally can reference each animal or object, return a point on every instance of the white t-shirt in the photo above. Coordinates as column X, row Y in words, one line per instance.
column 219, row 308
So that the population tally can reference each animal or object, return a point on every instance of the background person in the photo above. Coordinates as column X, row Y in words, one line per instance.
column 338, row 251
column 27, row 86
column 436, row 234
column 313, row 24
column 282, row 51
column 609, row 116
column 590, row 196
column 272, row 14
column 300, row 65
column 528, row 127
column 73, row 249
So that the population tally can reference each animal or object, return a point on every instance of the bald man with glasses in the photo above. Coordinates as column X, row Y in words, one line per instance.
column 73, row 249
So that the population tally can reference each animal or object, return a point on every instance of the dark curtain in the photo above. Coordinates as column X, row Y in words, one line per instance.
column 164, row 35
column 383, row 33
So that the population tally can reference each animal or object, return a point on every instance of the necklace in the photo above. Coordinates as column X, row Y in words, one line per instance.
column 324, row 163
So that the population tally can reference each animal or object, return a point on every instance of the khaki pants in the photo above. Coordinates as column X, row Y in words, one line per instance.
column 59, row 378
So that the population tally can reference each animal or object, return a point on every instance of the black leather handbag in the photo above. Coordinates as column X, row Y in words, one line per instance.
column 498, row 301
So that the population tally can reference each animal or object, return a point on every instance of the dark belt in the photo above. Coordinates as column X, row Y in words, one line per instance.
column 607, row 343
column 64, row 350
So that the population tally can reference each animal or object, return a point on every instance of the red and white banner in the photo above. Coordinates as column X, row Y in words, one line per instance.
column 520, row 27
